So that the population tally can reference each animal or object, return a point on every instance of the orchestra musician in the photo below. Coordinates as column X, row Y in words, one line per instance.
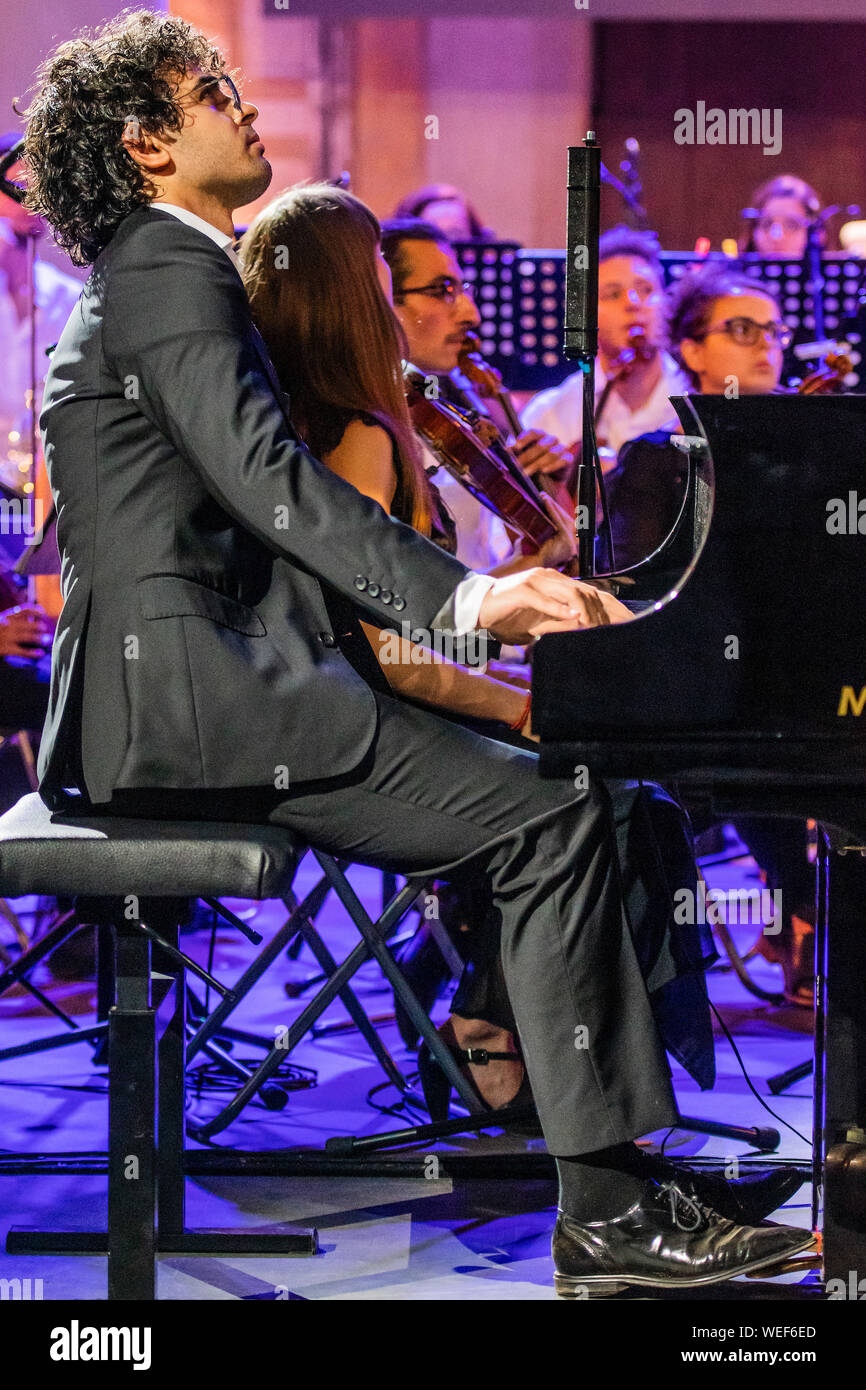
column 192, row 517
column 634, row 386
column 25, row 627
column 785, row 206
column 55, row 294
column 447, row 209
column 715, row 320
column 436, row 310
column 25, row 637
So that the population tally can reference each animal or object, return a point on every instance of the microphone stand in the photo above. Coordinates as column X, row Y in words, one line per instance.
column 815, row 272
column 581, row 338
column 630, row 189
column 813, row 264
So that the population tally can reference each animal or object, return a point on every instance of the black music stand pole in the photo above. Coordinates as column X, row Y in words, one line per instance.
column 580, row 341
column 815, row 273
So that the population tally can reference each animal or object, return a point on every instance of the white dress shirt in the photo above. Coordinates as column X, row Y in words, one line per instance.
column 560, row 410
column 460, row 614
column 220, row 239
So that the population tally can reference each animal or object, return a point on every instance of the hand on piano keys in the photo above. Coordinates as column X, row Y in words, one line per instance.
column 531, row 603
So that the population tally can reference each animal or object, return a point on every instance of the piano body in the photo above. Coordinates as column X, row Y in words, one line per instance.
column 746, row 685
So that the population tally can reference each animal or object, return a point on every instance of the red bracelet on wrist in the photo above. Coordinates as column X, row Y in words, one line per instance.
column 518, row 724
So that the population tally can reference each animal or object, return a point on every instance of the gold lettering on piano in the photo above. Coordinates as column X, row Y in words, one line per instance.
column 849, row 703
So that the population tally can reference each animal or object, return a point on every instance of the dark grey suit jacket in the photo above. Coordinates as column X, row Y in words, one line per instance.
column 195, row 648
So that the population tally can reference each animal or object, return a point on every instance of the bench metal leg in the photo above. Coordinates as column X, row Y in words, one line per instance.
column 131, row 1129
column 231, row 998
column 333, row 987
column 170, row 1116
column 354, row 1008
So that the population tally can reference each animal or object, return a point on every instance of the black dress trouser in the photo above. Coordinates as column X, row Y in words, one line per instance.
column 431, row 797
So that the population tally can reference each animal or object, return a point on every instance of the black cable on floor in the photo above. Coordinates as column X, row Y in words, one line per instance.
column 211, row 1079
column 748, row 1081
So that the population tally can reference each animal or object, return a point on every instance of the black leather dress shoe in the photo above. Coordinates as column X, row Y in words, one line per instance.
column 748, row 1200
column 665, row 1240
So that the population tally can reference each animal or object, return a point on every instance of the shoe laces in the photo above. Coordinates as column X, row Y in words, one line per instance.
column 687, row 1212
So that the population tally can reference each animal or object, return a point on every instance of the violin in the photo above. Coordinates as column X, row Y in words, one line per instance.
column 829, row 378
column 489, row 385
column 487, row 380
column 471, row 454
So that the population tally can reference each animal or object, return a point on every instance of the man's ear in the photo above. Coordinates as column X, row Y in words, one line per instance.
column 150, row 153
column 692, row 353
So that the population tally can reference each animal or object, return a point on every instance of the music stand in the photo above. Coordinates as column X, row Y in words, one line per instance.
column 520, row 295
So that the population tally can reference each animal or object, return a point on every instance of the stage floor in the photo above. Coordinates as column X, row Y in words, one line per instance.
column 390, row 1238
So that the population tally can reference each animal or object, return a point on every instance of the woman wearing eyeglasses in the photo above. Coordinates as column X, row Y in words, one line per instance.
column 728, row 334
column 784, row 206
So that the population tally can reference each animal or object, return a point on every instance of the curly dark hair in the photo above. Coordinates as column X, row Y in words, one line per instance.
column 80, row 177
column 690, row 307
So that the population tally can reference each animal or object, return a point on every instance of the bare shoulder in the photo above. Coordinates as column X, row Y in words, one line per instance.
column 368, row 436
column 365, row 458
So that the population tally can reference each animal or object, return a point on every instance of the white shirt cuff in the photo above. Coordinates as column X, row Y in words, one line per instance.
column 460, row 614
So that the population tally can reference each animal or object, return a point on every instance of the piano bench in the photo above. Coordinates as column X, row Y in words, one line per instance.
column 139, row 880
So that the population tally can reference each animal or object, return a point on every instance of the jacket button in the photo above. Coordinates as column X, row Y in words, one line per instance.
column 327, row 639
column 399, row 603
column 360, row 583
column 373, row 590
column 386, row 596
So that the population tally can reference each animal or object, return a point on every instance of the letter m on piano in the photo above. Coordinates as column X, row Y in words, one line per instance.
column 849, row 703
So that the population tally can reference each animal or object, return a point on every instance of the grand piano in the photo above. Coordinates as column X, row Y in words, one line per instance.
column 745, row 685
